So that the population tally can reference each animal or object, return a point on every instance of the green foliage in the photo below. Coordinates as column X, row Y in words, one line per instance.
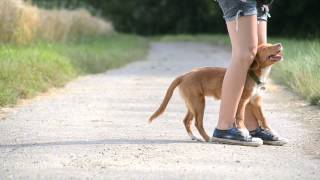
column 292, row 18
column 300, row 69
column 149, row 17
column 53, row 4
column 95, row 55
column 27, row 70
column 165, row 16
column 289, row 17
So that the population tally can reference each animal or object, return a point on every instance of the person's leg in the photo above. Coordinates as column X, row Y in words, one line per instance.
column 262, row 32
column 268, row 136
column 250, row 121
column 244, row 46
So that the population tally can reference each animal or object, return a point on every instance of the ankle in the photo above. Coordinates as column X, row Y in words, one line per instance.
column 224, row 126
column 252, row 128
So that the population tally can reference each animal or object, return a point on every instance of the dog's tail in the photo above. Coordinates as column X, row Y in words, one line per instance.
column 166, row 99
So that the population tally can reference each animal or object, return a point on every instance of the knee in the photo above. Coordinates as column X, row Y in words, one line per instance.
column 245, row 56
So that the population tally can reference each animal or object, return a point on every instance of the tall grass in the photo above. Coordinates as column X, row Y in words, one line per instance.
column 26, row 71
column 22, row 23
column 63, row 25
column 18, row 22
column 95, row 55
column 29, row 69
column 300, row 70
column 42, row 48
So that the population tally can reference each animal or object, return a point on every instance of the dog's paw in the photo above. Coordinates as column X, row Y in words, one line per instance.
column 194, row 138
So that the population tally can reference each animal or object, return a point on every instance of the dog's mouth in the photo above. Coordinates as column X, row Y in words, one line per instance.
column 276, row 57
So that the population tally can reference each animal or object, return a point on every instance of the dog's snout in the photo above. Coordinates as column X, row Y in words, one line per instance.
column 279, row 45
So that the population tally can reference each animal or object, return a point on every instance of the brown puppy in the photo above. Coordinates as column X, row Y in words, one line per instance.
column 207, row 81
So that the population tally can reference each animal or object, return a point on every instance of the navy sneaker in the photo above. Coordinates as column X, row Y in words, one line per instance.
column 268, row 137
column 236, row 137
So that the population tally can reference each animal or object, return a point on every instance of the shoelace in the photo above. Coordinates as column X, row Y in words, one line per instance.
column 265, row 133
column 239, row 133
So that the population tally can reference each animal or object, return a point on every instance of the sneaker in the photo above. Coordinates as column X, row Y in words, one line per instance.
column 236, row 137
column 268, row 137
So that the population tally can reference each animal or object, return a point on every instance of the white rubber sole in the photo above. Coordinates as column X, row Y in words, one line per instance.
column 280, row 142
column 254, row 143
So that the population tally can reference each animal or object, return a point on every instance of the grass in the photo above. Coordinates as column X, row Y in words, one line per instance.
column 42, row 48
column 218, row 39
column 96, row 55
column 22, row 23
column 29, row 69
column 300, row 71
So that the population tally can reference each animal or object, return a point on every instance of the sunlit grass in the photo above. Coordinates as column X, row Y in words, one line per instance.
column 42, row 48
column 95, row 55
column 300, row 70
column 27, row 70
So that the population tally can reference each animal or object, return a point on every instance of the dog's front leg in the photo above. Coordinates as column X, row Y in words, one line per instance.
column 241, row 113
column 256, row 107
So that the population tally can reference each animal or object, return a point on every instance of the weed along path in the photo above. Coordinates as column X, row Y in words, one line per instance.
column 96, row 128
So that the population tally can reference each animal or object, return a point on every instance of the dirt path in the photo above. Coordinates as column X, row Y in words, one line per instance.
column 97, row 129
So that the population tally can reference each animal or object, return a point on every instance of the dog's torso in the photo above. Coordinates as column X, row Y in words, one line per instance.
column 207, row 81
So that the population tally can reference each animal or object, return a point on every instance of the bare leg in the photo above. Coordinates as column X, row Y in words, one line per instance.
column 250, row 120
column 244, row 47
column 262, row 32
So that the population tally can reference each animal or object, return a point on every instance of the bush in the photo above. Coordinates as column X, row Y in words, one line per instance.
column 22, row 23
column 18, row 23
column 62, row 25
column 162, row 16
column 295, row 18
column 289, row 17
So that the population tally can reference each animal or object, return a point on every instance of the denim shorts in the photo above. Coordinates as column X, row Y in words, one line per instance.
column 235, row 8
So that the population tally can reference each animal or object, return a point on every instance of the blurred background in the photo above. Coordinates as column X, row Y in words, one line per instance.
column 149, row 17
column 46, row 43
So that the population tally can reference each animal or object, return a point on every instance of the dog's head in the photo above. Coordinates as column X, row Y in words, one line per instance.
column 267, row 55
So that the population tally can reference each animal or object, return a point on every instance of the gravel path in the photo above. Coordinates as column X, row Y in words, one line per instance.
column 96, row 128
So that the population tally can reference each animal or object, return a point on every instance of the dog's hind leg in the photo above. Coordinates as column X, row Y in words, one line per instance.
column 187, row 123
column 199, row 112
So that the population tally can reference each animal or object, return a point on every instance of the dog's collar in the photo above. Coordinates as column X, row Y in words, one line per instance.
column 255, row 78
